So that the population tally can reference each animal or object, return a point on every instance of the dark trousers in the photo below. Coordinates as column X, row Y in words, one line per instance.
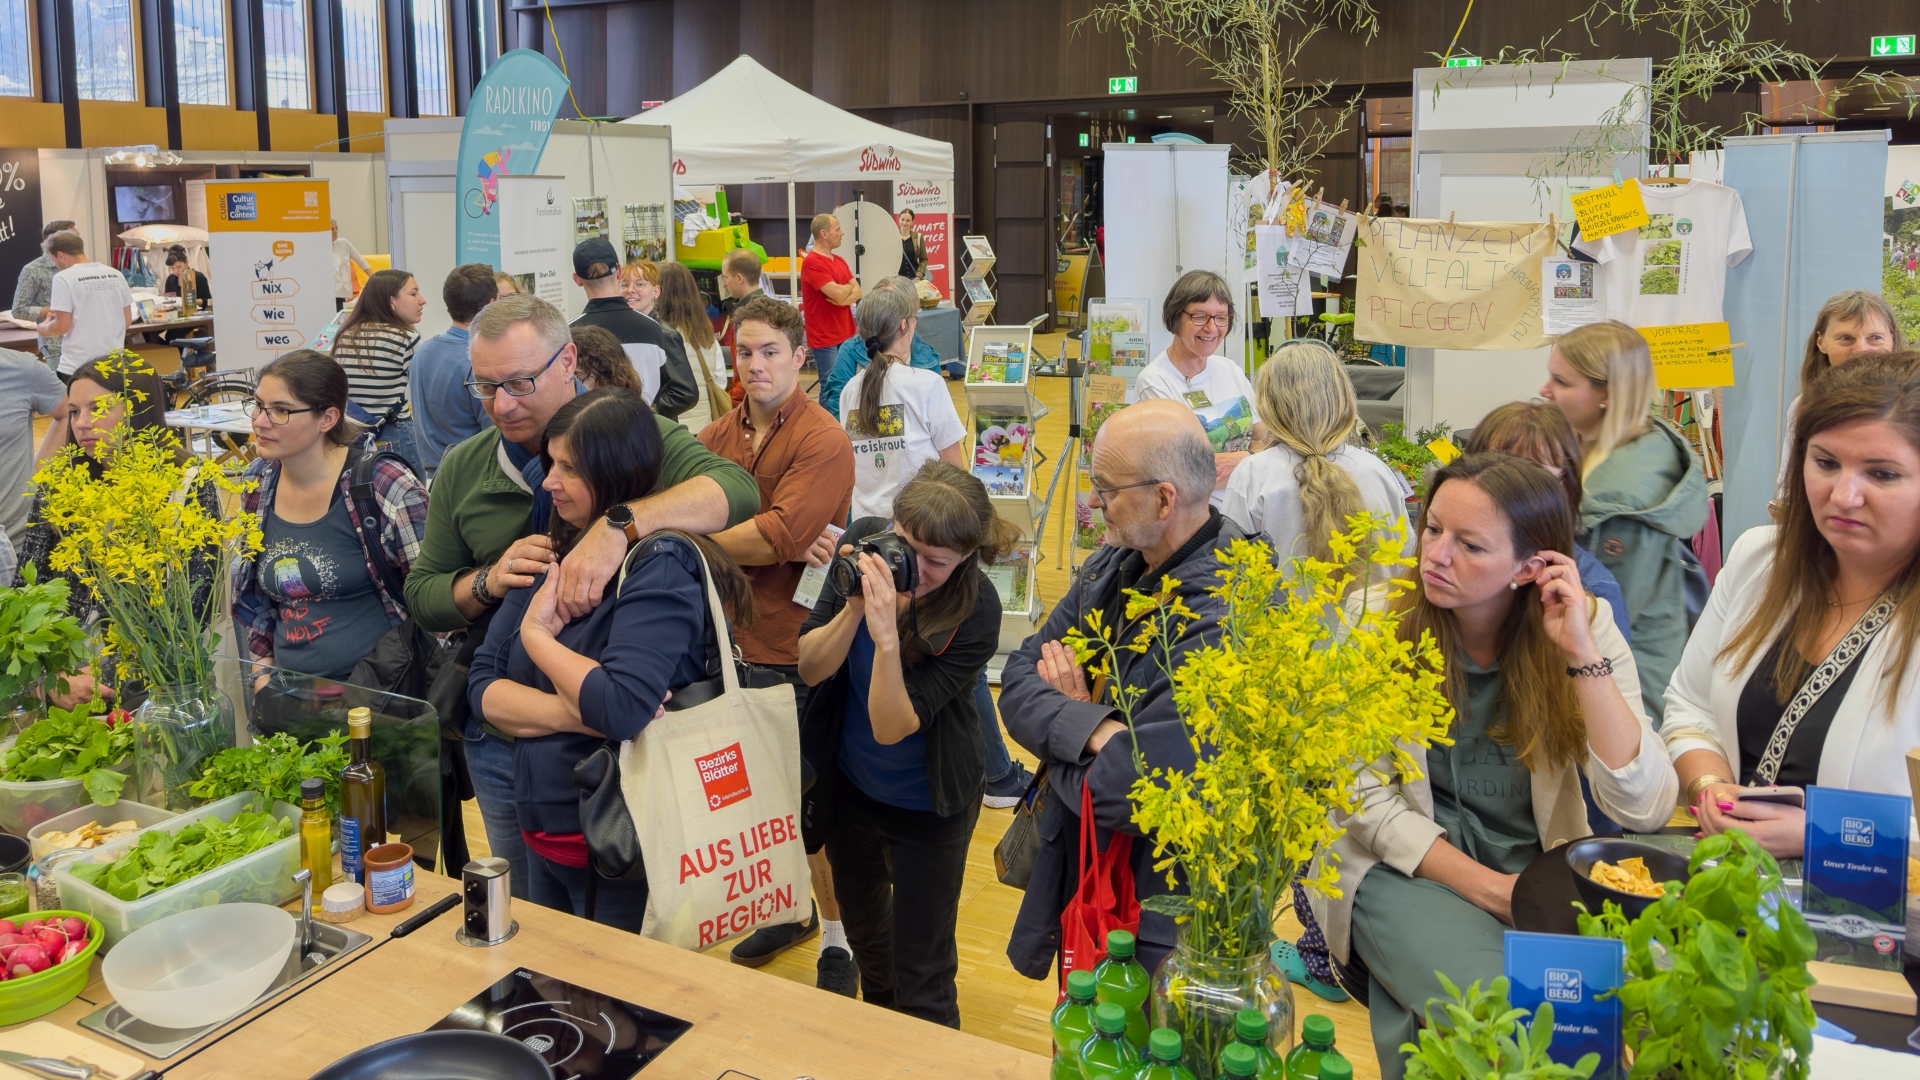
column 619, row 904
column 897, row 874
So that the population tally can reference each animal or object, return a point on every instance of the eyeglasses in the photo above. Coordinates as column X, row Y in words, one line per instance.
column 519, row 387
column 1105, row 494
column 1221, row 321
column 277, row 414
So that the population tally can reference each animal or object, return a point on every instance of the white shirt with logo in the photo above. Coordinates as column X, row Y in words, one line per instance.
column 917, row 421
column 1672, row 271
column 1220, row 396
column 97, row 297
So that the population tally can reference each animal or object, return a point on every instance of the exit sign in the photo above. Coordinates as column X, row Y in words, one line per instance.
column 1130, row 84
column 1893, row 45
column 1463, row 61
column 1083, row 138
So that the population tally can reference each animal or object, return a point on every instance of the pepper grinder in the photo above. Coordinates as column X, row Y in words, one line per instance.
column 488, row 906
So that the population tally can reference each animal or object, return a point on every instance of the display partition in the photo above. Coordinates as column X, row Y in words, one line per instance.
column 1815, row 208
column 1490, row 144
column 1002, row 417
column 1167, row 213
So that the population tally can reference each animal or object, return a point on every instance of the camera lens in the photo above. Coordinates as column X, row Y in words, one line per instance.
column 844, row 572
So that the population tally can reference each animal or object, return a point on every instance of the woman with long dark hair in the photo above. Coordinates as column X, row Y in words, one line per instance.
column 375, row 345
column 899, row 417
column 1544, row 690
column 683, row 310
column 893, row 736
column 563, row 688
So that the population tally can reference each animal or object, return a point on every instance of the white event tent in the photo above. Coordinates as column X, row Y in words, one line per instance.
column 746, row 125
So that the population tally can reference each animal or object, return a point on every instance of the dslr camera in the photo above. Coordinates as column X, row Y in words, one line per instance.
column 844, row 570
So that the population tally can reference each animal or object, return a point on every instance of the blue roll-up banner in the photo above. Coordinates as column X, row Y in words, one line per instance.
column 508, row 121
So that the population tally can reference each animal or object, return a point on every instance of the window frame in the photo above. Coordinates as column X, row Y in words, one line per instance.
column 228, row 58
column 136, row 53
column 32, row 43
column 312, row 60
column 378, row 66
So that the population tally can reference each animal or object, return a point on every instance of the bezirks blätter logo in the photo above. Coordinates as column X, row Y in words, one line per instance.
column 723, row 774
column 873, row 159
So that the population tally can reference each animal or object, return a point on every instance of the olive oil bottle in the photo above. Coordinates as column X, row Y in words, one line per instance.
column 363, row 798
column 316, row 836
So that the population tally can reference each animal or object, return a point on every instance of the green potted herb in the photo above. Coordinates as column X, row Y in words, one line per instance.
column 1716, row 971
column 39, row 644
column 1480, row 1036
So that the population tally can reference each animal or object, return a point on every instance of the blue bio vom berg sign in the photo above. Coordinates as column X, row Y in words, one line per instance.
column 1572, row 974
column 1855, row 895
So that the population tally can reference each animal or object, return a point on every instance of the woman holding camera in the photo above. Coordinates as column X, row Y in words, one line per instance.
column 892, row 734
column 900, row 417
column 563, row 688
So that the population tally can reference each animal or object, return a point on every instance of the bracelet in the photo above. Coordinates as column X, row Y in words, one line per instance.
column 479, row 589
column 1700, row 784
column 1600, row 669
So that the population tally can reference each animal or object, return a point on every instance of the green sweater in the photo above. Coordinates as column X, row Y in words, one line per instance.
column 476, row 511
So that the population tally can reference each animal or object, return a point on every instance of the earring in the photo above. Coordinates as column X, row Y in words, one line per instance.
column 1513, row 585
column 1603, row 404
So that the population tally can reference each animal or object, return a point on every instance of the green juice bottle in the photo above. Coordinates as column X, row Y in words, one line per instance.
column 1072, row 1025
column 1335, row 1067
column 1108, row 1055
column 1120, row 980
column 1250, row 1031
column 1308, row 1060
column 1239, row 1061
column 1163, row 1057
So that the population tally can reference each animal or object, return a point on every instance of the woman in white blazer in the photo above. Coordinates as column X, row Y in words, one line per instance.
column 1800, row 670
column 1544, row 689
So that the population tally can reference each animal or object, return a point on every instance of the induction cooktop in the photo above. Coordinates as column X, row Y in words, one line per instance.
column 581, row 1034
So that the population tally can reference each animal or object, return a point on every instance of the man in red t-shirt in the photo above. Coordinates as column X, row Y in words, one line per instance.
column 827, row 293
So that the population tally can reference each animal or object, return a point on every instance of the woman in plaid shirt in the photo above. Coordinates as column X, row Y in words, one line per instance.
column 315, row 598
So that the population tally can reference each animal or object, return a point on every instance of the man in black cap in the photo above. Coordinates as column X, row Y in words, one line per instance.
column 658, row 354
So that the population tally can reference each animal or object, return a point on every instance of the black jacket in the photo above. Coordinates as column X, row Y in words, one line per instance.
column 940, row 687
column 647, row 341
column 1055, row 727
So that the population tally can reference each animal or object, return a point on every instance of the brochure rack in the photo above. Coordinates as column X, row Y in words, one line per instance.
column 1002, row 413
column 975, row 294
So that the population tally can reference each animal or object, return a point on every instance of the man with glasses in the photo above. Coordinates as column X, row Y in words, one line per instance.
column 487, row 521
column 1152, row 474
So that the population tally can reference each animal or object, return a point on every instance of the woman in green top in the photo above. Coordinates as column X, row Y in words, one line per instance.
column 1542, row 685
column 1645, row 496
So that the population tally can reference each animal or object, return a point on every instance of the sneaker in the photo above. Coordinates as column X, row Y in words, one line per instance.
column 837, row 972
column 768, row 942
column 1007, row 790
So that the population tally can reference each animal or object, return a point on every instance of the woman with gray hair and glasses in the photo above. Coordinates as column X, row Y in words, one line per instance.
column 1199, row 312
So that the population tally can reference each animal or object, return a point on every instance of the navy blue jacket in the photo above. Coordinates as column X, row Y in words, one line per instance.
column 649, row 638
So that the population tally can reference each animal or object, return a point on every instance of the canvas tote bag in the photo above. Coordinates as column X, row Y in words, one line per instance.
column 714, row 791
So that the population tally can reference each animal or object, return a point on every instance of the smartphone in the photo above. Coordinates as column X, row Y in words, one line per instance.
column 1785, row 796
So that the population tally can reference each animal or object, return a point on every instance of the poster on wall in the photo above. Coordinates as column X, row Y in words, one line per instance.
column 645, row 231
column 932, row 204
column 508, row 121
column 589, row 217
column 19, row 214
column 1436, row 284
column 265, row 238
column 536, row 235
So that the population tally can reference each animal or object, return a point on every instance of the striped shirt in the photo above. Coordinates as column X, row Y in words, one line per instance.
column 375, row 356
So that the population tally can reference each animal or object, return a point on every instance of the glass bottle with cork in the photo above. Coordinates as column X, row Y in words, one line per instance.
column 316, row 836
column 363, row 797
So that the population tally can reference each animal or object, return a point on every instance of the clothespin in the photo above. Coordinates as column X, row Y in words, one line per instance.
column 1553, row 224
column 1343, row 206
column 1729, row 348
column 1617, row 182
column 1450, row 217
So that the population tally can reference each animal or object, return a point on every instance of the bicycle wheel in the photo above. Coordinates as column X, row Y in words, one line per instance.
column 225, row 391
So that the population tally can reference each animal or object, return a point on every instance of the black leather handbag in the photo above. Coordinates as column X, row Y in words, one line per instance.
column 1013, row 856
column 612, row 843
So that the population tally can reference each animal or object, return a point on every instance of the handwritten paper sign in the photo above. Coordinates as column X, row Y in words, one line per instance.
column 1106, row 388
column 1282, row 270
column 1692, row 356
column 1609, row 209
column 1437, row 284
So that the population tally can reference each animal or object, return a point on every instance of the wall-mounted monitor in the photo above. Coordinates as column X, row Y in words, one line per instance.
column 143, row 202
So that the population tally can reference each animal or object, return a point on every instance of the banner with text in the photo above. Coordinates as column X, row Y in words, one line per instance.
column 270, row 262
column 508, row 121
column 536, row 235
column 19, row 214
column 1437, row 284
column 932, row 204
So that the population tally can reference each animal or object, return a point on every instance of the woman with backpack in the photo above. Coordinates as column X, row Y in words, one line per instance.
column 375, row 345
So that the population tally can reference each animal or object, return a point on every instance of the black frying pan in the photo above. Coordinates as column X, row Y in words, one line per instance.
column 441, row 1055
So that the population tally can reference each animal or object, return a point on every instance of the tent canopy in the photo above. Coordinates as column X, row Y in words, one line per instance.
column 747, row 125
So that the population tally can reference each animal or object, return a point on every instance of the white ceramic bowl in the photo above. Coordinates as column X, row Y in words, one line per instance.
column 202, row 966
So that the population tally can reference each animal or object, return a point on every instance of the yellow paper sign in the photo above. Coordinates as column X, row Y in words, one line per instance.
column 1106, row 388
column 1444, row 449
column 1692, row 356
column 1609, row 209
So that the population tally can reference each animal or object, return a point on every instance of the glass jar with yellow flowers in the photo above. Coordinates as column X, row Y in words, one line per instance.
column 1305, row 687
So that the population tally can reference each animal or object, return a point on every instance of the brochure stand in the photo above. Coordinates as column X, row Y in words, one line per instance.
column 975, row 295
column 1002, row 413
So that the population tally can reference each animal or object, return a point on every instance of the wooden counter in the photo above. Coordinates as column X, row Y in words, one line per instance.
column 760, row 1024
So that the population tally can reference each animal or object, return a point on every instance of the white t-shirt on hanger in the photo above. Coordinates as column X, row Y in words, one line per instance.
column 1673, row 270
column 1220, row 396
column 917, row 421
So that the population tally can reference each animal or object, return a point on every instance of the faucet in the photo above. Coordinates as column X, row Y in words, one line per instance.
column 305, row 880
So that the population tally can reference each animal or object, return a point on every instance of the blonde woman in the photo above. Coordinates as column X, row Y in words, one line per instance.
column 1645, row 496
column 1302, row 489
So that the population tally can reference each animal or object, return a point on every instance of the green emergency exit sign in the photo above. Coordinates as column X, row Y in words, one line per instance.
column 1893, row 45
column 1126, row 84
column 1083, row 138
column 1463, row 61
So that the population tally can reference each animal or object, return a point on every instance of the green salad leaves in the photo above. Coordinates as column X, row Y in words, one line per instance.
column 73, row 744
column 274, row 766
column 160, row 858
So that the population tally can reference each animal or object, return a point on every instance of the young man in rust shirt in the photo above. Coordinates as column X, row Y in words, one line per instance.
column 803, row 463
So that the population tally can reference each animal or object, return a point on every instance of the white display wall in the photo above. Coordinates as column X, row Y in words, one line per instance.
column 1166, row 213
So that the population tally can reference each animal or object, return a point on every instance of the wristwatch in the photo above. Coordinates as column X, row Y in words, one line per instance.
column 620, row 516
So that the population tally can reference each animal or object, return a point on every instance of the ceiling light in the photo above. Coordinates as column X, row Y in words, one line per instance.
column 1163, row 117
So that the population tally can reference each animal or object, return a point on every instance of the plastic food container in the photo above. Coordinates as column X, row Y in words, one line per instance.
column 200, row 967
column 264, row 877
column 38, row 995
column 26, row 803
column 141, row 813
